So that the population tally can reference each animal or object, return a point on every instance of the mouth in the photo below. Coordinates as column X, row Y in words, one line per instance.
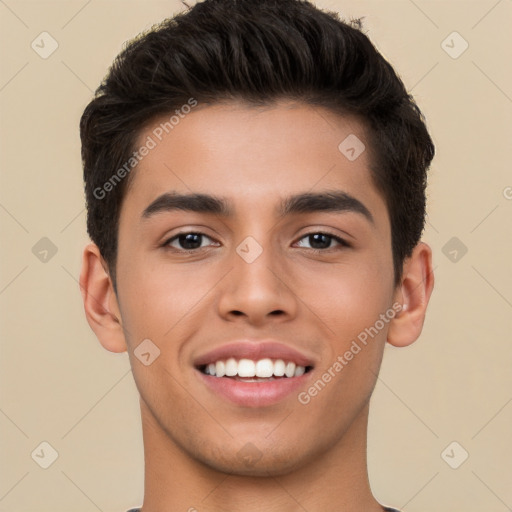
column 254, row 374
column 248, row 370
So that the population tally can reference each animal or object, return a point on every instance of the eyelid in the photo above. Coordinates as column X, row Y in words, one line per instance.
column 186, row 229
column 167, row 241
column 342, row 241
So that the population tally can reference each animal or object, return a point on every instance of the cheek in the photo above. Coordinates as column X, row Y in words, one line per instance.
column 349, row 302
column 158, row 301
column 354, row 348
column 346, row 298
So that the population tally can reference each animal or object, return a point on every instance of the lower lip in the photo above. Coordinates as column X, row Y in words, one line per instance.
column 254, row 394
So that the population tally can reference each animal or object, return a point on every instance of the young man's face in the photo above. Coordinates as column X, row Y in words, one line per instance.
column 259, row 282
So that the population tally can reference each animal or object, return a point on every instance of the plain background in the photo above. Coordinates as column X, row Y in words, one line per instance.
column 60, row 386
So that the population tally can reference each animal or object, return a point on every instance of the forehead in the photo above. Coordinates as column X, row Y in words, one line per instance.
column 253, row 154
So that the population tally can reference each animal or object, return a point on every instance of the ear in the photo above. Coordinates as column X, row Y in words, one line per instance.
column 100, row 301
column 413, row 293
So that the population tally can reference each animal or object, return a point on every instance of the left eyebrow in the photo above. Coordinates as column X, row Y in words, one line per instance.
column 329, row 201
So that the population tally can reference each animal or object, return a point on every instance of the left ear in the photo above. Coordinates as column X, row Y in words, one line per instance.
column 413, row 293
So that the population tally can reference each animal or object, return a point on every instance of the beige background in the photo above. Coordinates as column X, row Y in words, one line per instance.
column 58, row 385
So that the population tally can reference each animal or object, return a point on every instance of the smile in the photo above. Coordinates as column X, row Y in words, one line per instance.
column 254, row 371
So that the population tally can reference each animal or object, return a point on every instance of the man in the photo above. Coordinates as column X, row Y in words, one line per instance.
column 255, row 176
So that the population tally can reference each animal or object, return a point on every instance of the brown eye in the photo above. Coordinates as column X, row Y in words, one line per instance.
column 319, row 241
column 188, row 241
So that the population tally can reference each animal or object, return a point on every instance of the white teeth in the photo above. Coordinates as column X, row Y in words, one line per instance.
column 261, row 369
column 290, row 370
column 246, row 368
column 231, row 367
column 299, row 370
column 220, row 369
column 279, row 368
column 264, row 368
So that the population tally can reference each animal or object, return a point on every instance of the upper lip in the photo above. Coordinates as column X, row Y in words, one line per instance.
column 255, row 350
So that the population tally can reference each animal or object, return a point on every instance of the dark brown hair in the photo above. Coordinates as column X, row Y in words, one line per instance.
column 258, row 52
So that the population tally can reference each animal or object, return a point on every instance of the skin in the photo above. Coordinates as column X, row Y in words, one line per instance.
column 313, row 456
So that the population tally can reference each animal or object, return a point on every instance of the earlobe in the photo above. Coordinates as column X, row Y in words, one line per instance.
column 100, row 301
column 413, row 294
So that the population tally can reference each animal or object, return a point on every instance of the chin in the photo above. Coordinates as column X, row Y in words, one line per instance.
column 251, row 461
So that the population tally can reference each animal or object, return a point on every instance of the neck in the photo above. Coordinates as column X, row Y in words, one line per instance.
column 336, row 480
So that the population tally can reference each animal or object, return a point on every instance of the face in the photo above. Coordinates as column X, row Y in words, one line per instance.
column 277, row 261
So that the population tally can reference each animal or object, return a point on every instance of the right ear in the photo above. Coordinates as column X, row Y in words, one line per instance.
column 100, row 301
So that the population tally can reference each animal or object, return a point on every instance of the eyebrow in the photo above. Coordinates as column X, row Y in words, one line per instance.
column 200, row 203
column 329, row 201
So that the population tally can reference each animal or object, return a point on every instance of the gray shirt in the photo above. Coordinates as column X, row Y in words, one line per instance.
column 387, row 509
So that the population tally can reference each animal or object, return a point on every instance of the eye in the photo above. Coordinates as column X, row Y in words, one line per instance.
column 321, row 241
column 188, row 241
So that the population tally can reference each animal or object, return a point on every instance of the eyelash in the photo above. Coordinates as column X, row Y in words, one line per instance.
column 342, row 243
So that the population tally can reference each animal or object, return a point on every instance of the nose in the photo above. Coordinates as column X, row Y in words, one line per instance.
column 257, row 292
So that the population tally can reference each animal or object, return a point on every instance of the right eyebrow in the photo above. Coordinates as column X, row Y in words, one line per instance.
column 200, row 203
